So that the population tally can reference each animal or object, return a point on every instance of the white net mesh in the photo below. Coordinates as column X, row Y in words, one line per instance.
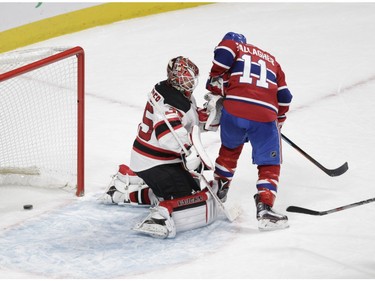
column 38, row 121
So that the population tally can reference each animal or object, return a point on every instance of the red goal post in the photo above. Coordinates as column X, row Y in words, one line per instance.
column 42, row 118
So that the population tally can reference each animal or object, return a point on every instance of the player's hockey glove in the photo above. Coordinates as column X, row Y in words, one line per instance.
column 215, row 85
column 192, row 160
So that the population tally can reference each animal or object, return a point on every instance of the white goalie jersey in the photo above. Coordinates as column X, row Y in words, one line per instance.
column 155, row 144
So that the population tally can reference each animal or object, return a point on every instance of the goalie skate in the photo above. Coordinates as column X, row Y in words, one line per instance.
column 157, row 224
column 267, row 218
column 152, row 228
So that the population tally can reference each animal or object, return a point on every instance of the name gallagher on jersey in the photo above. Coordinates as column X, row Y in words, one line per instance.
column 256, row 52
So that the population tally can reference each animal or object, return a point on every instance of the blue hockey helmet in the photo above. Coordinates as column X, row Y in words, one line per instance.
column 235, row 37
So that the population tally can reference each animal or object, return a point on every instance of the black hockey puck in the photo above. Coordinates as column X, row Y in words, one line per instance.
column 27, row 207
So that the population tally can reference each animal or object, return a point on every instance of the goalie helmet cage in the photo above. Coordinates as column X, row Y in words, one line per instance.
column 42, row 118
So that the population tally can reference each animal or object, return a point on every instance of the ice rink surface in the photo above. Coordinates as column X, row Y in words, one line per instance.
column 327, row 51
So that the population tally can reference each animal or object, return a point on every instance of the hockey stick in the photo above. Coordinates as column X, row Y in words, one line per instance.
column 231, row 215
column 331, row 172
column 300, row 210
column 156, row 104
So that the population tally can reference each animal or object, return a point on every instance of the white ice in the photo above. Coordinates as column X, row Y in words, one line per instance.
column 327, row 51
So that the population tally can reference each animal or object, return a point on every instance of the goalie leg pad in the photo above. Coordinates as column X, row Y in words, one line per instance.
column 180, row 214
column 127, row 176
column 135, row 195
column 194, row 211
column 127, row 188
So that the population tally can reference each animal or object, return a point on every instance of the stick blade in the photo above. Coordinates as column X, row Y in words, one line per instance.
column 295, row 209
column 233, row 213
column 338, row 171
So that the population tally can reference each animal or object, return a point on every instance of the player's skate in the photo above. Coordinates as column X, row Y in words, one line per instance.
column 157, row 224
column 268, row 219
column 221, row 188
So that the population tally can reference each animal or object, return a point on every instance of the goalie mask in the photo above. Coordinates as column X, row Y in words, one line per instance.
column 183, row 75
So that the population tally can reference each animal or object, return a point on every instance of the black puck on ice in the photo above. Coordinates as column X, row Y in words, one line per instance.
column 27, row 207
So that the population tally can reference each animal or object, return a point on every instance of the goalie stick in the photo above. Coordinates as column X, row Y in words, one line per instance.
column 331, row 172
column 295, row 209
column 231, row 214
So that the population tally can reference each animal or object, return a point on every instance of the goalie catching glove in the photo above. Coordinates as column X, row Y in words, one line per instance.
column 191, row 161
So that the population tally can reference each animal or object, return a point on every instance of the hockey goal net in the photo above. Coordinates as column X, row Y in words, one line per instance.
column 42, row 118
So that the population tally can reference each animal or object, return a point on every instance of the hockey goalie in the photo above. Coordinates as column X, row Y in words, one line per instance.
column 165, row 162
